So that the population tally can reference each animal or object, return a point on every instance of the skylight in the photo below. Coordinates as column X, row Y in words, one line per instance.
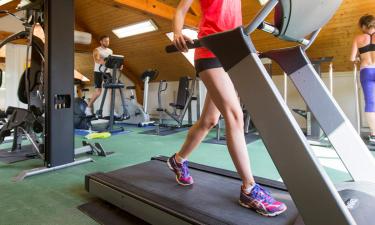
column 135, row 29
column 3, row 2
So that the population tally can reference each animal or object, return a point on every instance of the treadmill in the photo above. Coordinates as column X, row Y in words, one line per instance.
column 149, row 191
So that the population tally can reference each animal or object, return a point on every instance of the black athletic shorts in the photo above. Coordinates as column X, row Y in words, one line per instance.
column 205, row 64
column 98, row 79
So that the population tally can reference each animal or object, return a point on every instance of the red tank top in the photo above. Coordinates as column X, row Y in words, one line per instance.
column 217, row 16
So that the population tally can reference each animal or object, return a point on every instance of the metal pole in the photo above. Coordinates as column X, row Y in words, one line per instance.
column 285, row 88
column 261, row 16
column 37, row 171
column 356, row 94
column 331, row 78
column 145, row 94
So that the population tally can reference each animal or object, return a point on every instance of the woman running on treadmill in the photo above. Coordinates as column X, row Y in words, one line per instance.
column 364, row 45
column 218, row 16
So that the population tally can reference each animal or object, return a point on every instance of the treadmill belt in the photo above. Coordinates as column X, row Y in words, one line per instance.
column 213, row 199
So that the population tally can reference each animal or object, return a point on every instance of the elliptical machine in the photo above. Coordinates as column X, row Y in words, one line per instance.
column 113, row 83
column 138, row 113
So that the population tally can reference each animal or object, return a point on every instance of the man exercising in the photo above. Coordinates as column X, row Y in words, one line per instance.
column 99, row 54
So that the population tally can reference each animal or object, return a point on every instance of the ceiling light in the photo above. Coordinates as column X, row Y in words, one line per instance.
column 263, row 2
column 135, row 29
column 3, row 2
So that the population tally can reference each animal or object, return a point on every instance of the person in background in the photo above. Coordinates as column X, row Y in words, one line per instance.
column 99, row 54
column 364, row 47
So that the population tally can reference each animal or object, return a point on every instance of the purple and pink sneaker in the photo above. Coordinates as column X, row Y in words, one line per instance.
column 262, row 202
column 181, row 170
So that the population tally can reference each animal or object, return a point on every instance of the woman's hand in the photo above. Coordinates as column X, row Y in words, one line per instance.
column 179, row 40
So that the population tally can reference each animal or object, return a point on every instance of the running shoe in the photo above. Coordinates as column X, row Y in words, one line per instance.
column 181, row 170
column 262, row 202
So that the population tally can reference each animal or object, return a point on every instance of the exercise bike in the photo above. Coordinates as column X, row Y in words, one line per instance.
column 138, row 113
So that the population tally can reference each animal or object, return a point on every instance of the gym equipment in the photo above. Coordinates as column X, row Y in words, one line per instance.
column 81, row 120
column 146, row 192
column 55, row 88
column 28, row 122
column 249, row 130
column 314, row 133
column 185, row 95
column 112, row 83
column 139, row 114
column 93, row 149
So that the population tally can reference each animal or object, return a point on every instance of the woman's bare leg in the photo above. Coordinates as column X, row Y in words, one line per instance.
column 209, row 117
column 224, row 97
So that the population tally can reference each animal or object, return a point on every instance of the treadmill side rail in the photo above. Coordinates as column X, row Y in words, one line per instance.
column 339, row 130
column 303, row 175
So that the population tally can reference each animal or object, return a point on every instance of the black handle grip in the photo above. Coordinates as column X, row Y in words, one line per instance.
column 172, row 48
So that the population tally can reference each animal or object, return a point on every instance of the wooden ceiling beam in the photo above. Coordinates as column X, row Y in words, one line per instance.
column 5, row 34
column 10, row 6
column 157, row 8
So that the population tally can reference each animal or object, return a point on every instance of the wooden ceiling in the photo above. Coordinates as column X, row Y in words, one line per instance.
column 142, row 51
column 10, row 6
column 146, row 51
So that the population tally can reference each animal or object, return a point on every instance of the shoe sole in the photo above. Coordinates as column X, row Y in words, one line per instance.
column 260, row 212
column 171, row 168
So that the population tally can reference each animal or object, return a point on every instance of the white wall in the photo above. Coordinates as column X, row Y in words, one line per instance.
column 15, row 65
column 343, row 92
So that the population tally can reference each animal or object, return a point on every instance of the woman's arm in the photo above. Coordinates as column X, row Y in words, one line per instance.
column 179, row 40
column 353, row 56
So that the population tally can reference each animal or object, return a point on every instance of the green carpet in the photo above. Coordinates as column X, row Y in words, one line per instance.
column 52, row 198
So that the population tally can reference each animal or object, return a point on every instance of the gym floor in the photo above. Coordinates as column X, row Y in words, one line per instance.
column 53, row 198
